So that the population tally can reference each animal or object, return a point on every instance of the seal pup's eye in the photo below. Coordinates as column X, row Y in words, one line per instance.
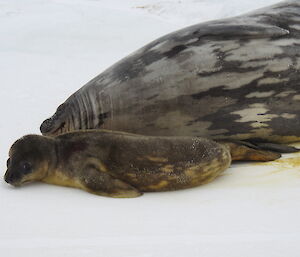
column 8, row 162
column 26, row 167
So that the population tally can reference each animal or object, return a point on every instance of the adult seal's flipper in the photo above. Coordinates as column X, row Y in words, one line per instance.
column 241, row 151
column 277, row 147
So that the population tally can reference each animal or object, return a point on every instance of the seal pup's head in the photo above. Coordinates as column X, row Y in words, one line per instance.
column 30, row 159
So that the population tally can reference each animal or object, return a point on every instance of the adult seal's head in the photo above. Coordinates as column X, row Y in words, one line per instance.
column 29, row 159
column 60, row 122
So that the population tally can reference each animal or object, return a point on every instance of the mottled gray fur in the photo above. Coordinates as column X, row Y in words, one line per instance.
column 236, row 78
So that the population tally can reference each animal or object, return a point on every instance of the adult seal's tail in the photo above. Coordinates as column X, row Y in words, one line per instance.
column 233, row 79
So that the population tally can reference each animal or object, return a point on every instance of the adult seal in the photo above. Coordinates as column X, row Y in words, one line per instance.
column 235, row 79
column 118, row 164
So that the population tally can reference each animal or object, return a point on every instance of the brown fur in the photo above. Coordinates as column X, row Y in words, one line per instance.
column 117, row 164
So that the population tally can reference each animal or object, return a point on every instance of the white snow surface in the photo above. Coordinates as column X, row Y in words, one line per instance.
column 49, row 49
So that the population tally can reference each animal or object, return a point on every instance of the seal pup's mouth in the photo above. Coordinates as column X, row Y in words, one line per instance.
column 9, row 179
column 15, row 183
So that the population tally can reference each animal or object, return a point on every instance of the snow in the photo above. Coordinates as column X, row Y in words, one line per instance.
column 49, row 49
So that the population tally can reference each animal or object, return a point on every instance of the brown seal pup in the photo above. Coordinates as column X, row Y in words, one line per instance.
column 120, row 164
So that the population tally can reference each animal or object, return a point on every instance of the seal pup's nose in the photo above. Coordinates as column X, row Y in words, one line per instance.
column 7, row 177
column 10, row 177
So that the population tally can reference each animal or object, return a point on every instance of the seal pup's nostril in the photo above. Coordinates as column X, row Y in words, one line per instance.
column 8, row 177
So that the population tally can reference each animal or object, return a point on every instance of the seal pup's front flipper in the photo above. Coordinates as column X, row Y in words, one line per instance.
column 104, row 184
column 245, row 152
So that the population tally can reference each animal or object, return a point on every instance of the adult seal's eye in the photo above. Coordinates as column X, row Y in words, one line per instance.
column 8, row 162
column 26, row 167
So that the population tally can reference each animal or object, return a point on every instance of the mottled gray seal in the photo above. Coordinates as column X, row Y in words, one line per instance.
column 235, row 78
column 119, row 164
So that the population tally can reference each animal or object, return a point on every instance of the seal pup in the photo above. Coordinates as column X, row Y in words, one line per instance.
column 119, row 164
column 235, row 78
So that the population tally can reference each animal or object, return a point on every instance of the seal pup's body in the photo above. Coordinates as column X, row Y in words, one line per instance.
column 235, row 78
column 119, row 164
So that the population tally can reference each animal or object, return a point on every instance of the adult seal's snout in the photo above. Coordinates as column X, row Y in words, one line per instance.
column 46, row 126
